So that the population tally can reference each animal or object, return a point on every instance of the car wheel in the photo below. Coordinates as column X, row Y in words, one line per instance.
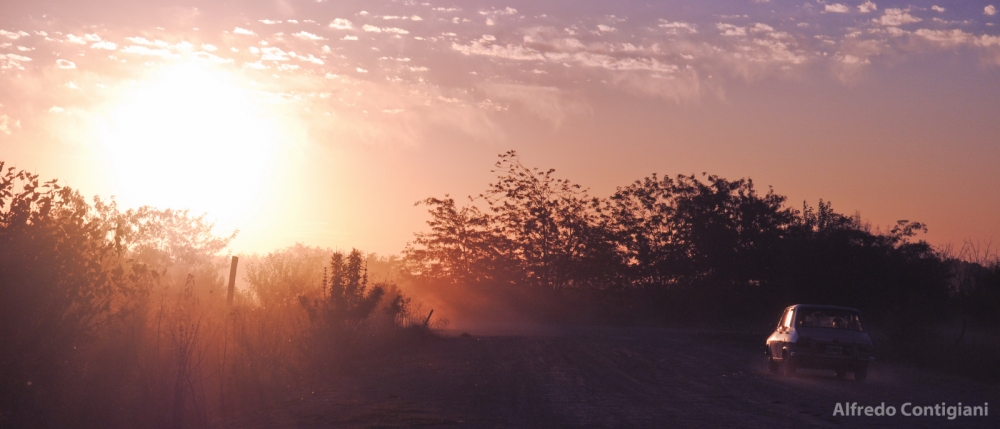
column 772, row 366
column 861, row 373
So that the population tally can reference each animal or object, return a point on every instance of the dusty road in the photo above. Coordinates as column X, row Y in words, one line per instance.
column 614, row 377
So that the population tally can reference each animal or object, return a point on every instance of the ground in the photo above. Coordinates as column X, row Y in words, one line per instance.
column 611, row 377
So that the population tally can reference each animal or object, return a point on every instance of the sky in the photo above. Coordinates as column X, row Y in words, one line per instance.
column 323, row 122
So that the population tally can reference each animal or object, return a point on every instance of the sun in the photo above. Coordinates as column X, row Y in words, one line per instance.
column 192, row 137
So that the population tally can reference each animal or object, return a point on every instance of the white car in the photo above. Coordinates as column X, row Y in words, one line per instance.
column 820, row 337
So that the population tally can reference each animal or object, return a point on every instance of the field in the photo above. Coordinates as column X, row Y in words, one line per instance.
column 551, row 377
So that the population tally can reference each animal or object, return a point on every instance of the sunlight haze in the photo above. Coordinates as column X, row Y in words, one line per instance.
column 323, row 122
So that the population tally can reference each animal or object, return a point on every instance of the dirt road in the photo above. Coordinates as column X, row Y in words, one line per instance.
column 615, row 377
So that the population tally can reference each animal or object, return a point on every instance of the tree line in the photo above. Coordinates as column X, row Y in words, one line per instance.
column 689, row 247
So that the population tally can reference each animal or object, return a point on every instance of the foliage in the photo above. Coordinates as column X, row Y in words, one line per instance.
column 686, row 247
column 118, row 318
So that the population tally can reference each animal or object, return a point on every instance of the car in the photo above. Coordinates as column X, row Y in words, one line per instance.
column 820, row 337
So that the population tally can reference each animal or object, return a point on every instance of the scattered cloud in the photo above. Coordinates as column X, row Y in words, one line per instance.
column 341, row 24
column 937, row 9
column 867, row 7
column 946, row 37
column 511, row 52
column 837, row 8
column 240, row 30
column 104, row 44
column 65, row 64
column 308, row 36
column 14, row 35
column 374, row 29
column 894, row 17
column 5, row 124
column 731, row 30
column 12, row 61
column 990, row 10
column 677, row 27
column 76, row 39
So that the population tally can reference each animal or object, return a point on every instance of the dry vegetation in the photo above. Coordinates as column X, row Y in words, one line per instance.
column 119, row 318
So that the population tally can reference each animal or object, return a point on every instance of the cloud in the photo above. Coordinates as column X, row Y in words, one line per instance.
column 349, row 37
column 361, row 70
column 341, row 24
column 867, row 7
column 895, row 17
column 308, row 36
column 208, row 47
column 5, row 124
column 990, row 10
column 273, row 54
column 270, row 22
column 946, row 37
column 12, row 61
column 14, row 35
column 606, row 29
column 937, row 9
column 510, row 52
column 311, row 59
column 240, row 30
column 65, row 64
column 371, row 28
column 731, row 30
column 143, row 41
column 676, row 27
column 76, row 39
column 837, row 8
column 104, row 44
column 851, row 59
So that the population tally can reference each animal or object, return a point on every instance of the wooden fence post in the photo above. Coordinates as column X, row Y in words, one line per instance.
column 232, row 280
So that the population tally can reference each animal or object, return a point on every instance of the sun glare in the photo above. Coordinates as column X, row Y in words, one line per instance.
column 192, row 137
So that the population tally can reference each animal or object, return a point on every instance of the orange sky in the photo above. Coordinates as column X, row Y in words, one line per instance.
column 323, row 122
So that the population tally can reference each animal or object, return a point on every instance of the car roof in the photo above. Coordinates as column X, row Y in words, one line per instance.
column 829, row 307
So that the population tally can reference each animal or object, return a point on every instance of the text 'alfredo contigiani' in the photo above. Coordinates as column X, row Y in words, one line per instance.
column 908, row 409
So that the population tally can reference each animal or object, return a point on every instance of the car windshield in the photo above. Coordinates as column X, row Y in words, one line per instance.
column 828, row 318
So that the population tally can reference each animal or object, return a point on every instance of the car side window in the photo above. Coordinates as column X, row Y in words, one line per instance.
column 788, row 319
